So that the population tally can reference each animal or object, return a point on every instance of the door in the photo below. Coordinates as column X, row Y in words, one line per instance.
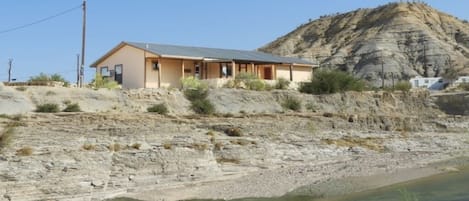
column 267, row 73
column 118, row 76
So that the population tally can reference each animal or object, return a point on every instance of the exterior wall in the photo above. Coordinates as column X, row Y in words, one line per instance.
column 283, row 71
column 171, row 73
column 132, row 60
column 213, row 70
column 302, row 73
column 151, row 75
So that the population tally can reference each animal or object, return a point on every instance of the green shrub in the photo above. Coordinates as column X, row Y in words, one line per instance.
column 192, row 83
column 196, row 93
column 328, row 82
column 48, row 108
column 234, row 132
column 250, row 81
column 100, row 82
column 291, row 103
column 403, row 86
column 42, row 77
column 310, row 106
column 282, row 83
column 158, row 108
column 72, row 108
column 202, row 106
column 464, row 86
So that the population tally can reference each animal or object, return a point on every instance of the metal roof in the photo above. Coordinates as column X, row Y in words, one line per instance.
column 215, row 53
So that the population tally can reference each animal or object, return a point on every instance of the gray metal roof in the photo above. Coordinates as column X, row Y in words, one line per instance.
column 215, row 53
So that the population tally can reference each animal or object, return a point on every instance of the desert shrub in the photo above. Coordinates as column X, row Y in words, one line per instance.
column 199, row 146
column 72, row 108
column 310, row 106
column 192, row 83
column 158, row 108
column 202, row 106
column 114, row 147
column 282, row 83
column 168, row 146
column 403, row 86
column 50, row 93
column 42, row 77
column 21, row 88
column 25, row 151
column 47, row 108
column 249, row 81
column 292, row 103
column 88, row 147
column 196, row 93
column 234, row 132
column 100, row 82
column 464, row 86
column 136, row 146
column 328, row 82
column 6, row 137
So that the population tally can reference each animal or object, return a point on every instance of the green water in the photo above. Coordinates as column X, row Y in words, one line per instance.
column 444, row 187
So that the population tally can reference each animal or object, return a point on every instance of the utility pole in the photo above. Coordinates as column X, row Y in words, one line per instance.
column 82, row 67
column 10, row 62
column 78, row 70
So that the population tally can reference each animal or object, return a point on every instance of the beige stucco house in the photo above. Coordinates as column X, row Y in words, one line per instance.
column 146, row 65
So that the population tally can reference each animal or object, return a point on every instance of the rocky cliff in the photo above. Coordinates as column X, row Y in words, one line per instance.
column 254, row 147
column 407, row 39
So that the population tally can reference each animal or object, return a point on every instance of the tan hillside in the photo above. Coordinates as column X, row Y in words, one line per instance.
column 406, row 37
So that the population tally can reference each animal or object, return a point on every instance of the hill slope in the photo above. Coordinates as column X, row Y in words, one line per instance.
column 408, row 38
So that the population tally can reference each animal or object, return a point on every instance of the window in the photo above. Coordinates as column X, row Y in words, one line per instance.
column 105, row 71
column 225, row 70
column 197, row 71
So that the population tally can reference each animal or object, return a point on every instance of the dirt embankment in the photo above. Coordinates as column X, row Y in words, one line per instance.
column 254, row 147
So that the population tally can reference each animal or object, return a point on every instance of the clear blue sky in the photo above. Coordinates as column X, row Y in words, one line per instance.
column 51, row 46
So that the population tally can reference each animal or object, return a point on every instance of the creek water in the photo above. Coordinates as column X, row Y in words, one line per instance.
column 444, row 187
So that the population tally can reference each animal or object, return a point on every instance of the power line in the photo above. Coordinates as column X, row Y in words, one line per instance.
column 41, row 20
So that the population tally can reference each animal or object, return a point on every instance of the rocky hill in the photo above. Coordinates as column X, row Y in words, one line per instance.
column 408, row 39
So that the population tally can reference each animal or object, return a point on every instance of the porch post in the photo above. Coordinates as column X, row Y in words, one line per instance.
column 274, row 72
column 159, row 73
column 291, row 72
column 182, row 68
column 252, row 67
column 233, row 69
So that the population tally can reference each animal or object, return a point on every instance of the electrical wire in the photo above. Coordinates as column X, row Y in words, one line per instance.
column 41, row 20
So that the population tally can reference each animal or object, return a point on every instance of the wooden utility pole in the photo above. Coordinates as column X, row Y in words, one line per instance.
column 10, row 62
column 82, row 67
column 78, row 70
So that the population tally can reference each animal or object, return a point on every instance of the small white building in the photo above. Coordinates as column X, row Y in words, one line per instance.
column 435, row 83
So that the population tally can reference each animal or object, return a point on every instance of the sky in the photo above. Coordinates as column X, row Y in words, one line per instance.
column 52, row 45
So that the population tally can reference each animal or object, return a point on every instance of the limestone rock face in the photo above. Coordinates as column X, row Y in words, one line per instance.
column 406, row 39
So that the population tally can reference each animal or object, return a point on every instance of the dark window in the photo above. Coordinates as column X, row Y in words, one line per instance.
column 118, row 73
column 225, row 70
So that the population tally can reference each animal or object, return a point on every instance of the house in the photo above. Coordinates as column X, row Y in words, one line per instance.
column 435, row 83
column 146, row 65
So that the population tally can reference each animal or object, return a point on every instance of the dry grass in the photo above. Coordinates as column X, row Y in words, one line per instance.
column 168, row 146
column 234, row 132
column 368, row 143
column 136, row 146
column 228, row 160
column 6, row 137
column 25, row 151
column 218, row 146
column 199, row 146
column 241, row 142
column 114, row 147
column 89, row 147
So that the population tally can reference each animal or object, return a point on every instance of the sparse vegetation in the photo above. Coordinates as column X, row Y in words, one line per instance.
column 136, row 146
column 88, row 147
column 247, row 81
column 310, row 106
column 25, row 151
column 192, row 83
column 228, row 160
column 464, row 86
column 234, row 132
column 403, row 86
column 407, row 196
column 199, row 146
column 282, row 83
column 72, row 108
column 202, row 107
column 168, row 145
column 328, row 82
column 101, row 82
column 158, row 108
column 50, row 93
column 47, row 108
column 22, row 88
column 198, row 97
column 42, row 77
column 6, row 137
column 114, row 147
column 292, row 103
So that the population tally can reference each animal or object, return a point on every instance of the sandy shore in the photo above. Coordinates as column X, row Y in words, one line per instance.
column 329, row 179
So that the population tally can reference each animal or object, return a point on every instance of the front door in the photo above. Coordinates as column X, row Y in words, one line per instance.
column 267, row 73
column 118, row 76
